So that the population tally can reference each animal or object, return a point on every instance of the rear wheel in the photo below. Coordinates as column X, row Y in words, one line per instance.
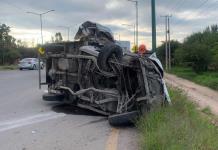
column 42, row 67
column 34, row 67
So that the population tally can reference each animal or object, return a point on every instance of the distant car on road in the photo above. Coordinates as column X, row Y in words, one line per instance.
column 30, row 63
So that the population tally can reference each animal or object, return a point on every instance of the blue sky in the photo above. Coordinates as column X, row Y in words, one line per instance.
column 187, row 16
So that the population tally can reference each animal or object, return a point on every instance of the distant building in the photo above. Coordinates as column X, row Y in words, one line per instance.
column 125, row 45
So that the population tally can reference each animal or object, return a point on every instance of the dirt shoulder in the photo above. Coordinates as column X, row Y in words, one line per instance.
column 203, row 96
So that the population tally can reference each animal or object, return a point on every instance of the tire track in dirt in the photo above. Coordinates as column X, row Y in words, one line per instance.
column 201, row 95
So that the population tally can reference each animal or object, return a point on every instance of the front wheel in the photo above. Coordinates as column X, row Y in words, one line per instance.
column 42, row 67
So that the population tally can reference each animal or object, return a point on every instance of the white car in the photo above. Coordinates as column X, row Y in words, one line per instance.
column 30, row 63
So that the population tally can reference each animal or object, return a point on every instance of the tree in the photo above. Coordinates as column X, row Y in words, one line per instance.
column 52, row 39
column 214, row 63
column 161, row 51
column 10, row 49
column 11, row 56
column 58, row 37
column 200, row 50
column 198, row 55
column 6, row 41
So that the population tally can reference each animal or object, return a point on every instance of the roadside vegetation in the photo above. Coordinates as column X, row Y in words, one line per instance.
column 195, row 59
column 13, row 50
column 8, row 67
column 178, row 127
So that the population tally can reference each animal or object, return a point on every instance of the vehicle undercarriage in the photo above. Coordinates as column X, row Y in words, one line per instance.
column 94, row 73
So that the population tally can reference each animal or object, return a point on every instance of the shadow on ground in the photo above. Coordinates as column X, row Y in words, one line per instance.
column 73, row 110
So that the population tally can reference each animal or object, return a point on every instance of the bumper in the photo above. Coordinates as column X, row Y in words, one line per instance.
column 25, row 66
column 53, row 97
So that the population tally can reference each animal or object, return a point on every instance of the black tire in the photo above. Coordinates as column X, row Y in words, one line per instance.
column 106, row 52
column 34, row 67
column 42, row 67
column 21, row 68
column 123, row 119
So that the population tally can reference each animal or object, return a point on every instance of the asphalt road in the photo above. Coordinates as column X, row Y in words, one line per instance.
column 29, row 123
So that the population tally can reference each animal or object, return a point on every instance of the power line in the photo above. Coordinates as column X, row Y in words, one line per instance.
column 196, row 9
column 15, row 6
column 212, row 5
column 174, row 4
column 209, row 7
column 180, row 4
column 202, row 4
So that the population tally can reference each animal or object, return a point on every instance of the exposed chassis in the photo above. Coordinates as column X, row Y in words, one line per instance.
column 100, row 77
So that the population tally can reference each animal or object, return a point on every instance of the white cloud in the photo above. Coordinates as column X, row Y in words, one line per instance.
column 30, row 35
column 113, row 4
column 190, row 15
column 112, row 13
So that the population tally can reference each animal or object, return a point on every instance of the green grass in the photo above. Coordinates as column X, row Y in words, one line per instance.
column 8, row 67
column 209, row 79
column 177, row 127
column 207, row 111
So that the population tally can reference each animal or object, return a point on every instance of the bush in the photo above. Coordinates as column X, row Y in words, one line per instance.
column 27, row 52
column 11, row 56
column 177, row 127
column 199, row 51
column 199, row 56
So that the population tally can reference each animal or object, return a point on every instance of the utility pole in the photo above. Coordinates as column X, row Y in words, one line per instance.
column 118, row 34
column 167, row 43
column 39, row 58
column 153, row 16
column 133, row 25
column 137, row 18
column 137, row 24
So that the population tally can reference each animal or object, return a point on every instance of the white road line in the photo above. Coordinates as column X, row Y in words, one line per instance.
column 11, row 124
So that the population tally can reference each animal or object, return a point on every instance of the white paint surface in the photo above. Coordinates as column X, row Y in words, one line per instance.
column 11, row 124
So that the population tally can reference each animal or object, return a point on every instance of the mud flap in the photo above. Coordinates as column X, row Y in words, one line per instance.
column 123, row 119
